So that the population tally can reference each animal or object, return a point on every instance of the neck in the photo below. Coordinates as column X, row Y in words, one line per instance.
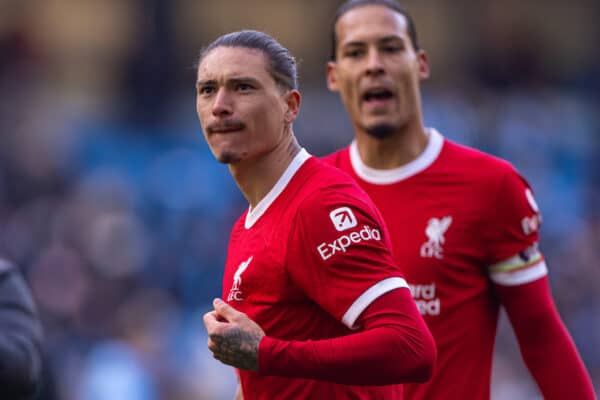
column 396, row 150
column 256, row 177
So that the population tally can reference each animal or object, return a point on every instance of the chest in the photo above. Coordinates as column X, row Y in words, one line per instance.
column 255, row 275
column 436, row 230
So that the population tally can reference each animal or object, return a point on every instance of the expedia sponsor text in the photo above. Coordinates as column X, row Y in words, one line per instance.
column 339, row 245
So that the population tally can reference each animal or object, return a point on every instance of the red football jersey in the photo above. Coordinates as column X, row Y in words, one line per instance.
column 304, row 264
column 460, row 221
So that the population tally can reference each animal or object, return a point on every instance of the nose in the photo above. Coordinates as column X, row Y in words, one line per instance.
column 374, row 63
column 222, row 103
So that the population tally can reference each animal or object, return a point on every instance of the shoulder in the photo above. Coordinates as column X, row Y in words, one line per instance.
column 501, row 190
column 336, row 158
column 476, row 164
column 324, row 183
column 470, row 156
column 321, row 192
column 331, row 204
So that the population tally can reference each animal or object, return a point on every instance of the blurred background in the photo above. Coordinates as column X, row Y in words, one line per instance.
column 119, row 217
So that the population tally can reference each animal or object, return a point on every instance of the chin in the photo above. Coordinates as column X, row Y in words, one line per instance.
column 380, row 131
column 228, row 157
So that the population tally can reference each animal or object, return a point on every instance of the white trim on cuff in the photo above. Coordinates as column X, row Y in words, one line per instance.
column 369, row 296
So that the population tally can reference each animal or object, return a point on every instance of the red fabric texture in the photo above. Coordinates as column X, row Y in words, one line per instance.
column 393, row 346
column 545, row 343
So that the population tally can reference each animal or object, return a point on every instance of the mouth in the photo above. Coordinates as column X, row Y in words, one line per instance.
column 225, row 127
column 377, row 95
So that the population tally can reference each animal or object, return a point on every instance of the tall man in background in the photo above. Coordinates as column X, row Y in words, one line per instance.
column 464, row 225
column 315, row 304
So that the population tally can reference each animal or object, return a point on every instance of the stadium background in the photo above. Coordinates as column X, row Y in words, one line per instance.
column 118, row 215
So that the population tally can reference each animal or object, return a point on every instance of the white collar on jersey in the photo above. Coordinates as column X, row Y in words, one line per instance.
column 388, row 176
column 255, row 213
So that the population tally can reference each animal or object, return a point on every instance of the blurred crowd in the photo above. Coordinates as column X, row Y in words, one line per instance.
column 117, row 214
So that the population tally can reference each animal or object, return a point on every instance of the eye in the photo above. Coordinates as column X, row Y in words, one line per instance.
column 205, row 90
column 244, row 87
column 391, row 49
column 353, row 53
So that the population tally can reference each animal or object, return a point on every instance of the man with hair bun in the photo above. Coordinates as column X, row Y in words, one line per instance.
column 313, row 306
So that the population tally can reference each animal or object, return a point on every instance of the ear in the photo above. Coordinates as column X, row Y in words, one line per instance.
column 292, row 102
column 423, row 65
column 332, row 83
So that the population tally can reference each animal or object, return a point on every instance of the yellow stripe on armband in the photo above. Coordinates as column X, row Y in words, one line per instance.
column 516, row 262
column 524, row 267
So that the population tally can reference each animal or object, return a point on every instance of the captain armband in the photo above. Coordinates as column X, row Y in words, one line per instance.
column 524, row 267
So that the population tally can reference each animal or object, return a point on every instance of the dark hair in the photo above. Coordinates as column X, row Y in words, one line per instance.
column 282, row 65
column 391, row 4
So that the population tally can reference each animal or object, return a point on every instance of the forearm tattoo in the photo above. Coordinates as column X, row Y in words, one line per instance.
column 237, row 348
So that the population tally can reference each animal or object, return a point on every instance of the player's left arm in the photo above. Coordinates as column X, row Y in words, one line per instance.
column 521, row 284
column 545, row 344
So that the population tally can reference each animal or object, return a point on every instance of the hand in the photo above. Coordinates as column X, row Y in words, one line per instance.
column 233, row 338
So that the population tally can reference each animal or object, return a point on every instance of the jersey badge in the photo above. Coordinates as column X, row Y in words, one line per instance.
column 436, row 228
column 236, row 293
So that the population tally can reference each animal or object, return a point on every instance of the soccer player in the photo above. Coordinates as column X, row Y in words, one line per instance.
column 464, row 225
column 313, row 305
column 20, row 337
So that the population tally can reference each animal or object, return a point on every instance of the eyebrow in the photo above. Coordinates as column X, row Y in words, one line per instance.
column 385, row 39
column 206, row 82
column 240, row 79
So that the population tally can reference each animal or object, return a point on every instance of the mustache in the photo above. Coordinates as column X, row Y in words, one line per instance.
column 224, row 126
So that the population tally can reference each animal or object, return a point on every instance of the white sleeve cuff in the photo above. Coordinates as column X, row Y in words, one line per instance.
column 369, row 296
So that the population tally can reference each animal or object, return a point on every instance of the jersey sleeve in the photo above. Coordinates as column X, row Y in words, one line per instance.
column 339, row 253
column 514, row 255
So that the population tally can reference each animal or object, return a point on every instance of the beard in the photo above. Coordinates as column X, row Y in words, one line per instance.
column 380, row 131
column 228, row 158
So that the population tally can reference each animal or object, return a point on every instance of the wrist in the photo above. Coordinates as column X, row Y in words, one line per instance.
column 265, row 348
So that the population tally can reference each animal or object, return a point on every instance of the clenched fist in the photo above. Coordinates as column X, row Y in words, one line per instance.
column 233, row 338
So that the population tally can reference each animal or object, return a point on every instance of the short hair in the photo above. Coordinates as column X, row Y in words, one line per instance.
column 391, row 4
column 282, row 65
